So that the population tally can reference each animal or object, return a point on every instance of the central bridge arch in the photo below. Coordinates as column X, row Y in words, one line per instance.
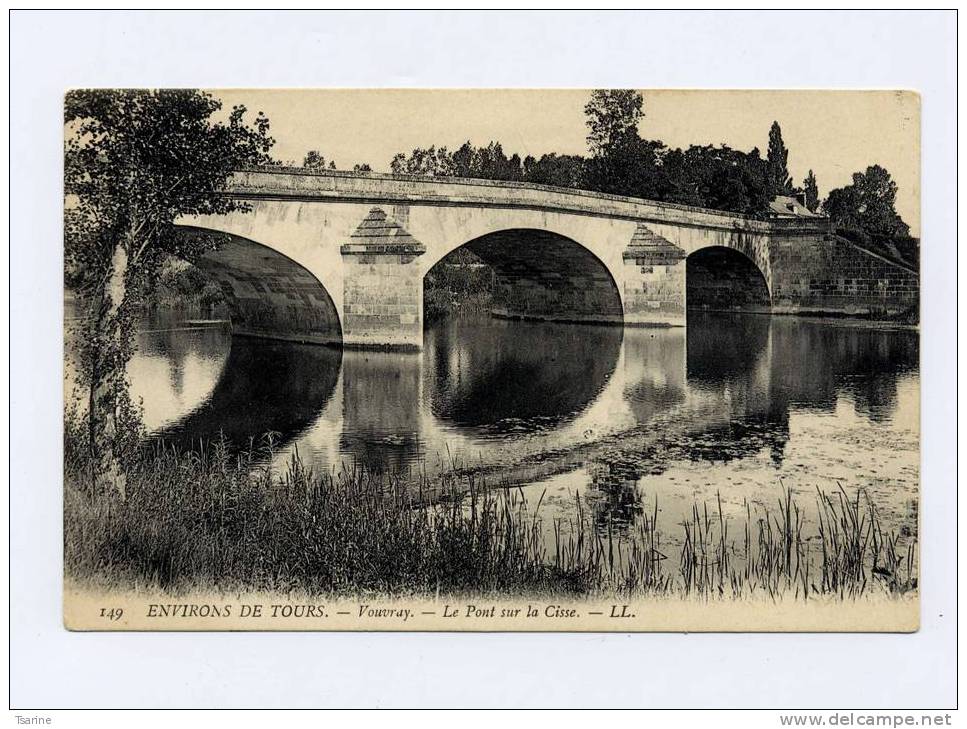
column 543, row 275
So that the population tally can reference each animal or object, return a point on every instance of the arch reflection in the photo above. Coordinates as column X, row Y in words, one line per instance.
column 277, row 387
column 502, row 377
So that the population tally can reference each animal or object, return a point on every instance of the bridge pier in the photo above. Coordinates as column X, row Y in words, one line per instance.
column 654, row 281
column 382, row 286
column 300, row 264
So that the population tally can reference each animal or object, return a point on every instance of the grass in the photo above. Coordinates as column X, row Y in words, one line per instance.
column 213, row 520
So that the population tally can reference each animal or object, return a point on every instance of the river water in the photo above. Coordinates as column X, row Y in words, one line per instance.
column 735, row 407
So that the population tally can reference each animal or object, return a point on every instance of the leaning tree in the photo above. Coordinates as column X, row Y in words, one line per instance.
column 136, row 160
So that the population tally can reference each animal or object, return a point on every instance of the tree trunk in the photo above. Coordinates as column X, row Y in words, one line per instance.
column 107, row 372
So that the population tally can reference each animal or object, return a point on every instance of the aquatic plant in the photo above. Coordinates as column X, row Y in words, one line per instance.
column 210, row 519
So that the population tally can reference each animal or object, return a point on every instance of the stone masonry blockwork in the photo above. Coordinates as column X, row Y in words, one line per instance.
column 340, row 256
column 826, row 274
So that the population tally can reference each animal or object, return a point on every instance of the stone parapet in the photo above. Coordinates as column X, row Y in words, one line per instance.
column 383, row 189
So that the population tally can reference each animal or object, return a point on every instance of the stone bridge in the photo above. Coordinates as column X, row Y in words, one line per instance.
column 340, row 258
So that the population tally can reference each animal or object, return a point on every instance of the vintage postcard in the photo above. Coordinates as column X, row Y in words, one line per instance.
column 491, row 360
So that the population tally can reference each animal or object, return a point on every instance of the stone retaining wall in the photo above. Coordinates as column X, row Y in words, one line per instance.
column 829, row 275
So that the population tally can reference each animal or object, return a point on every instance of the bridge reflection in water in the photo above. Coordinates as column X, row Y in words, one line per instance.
column 746, row 378
column 507, row 378
column 730, row 404
column 527, row 400
column 264, row 388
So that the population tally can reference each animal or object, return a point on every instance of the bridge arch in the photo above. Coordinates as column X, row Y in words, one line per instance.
column 544, row 275
column 269, row 294
column 725, row 278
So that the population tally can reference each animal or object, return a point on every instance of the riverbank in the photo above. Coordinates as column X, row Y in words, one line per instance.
column 211, row 521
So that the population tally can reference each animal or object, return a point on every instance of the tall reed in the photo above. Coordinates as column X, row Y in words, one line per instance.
column 213, row 519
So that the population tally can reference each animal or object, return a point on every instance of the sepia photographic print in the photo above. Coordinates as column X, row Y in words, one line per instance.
column 491, row 360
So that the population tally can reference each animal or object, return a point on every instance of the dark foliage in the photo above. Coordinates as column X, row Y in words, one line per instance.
column 780, row 182
column 865, row 212
column 559, row 170
column 179, row 284
column 811, row 192
column 460, row 284
column 621, row 162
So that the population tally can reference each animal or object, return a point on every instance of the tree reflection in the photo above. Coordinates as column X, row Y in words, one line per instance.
column 614, row 496
column 744, row 375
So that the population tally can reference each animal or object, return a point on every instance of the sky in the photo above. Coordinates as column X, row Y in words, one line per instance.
column 834, row 133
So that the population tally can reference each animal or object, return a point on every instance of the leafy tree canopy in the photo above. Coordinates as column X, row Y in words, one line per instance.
column 314, row 160
column 865, row 212
column 811, row 192
column 621, row 162
column 868, row 204
column 778, row 158
column 134, row 161
column 612, row 118
column 560, row 170
column 430, row 162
